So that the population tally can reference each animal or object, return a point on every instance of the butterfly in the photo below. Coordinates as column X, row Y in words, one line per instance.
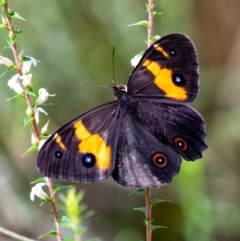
column 140, row 137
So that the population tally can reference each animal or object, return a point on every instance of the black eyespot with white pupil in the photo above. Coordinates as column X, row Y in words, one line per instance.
column 173, row 52
column 181, row 143
column 58, row 154
column 88, row 160
column 178, row 79
column 159, row 160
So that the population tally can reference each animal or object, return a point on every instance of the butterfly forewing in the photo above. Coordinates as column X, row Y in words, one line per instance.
column 84, row 149
column 168, row 69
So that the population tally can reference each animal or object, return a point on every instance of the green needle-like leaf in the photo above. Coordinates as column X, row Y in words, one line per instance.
column 10, row 43
column 42, row 179
column 30, row 149
column 140, row 23
column 14, row 97
column 46, row 200
column 57, row 188
column 153, row 227
column 156, row 200
column 15, row 15
column 142, row 209
column 148, row 7
column 50, row 233
column 30, row 92
column 27, row 121
column 140, row 190
column 155, row 38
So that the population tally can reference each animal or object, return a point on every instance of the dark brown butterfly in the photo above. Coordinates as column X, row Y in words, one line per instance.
column 139, row 138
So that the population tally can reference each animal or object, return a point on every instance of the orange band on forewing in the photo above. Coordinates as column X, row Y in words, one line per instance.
column 163, row 80
column 93, row 143
column 58, row 139
column 160, row 49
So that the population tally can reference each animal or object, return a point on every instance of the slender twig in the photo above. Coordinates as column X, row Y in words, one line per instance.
column 14, row 235
column 150, row 21
column 34, row 123
column 148, row 214
column 148, row 190
column 19, row 70
column 54, row 208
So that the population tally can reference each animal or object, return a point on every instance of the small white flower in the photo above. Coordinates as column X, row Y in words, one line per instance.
column 6, row 61
column 14, row 84
column 135, row 60
column 38, row 192
column 27, row 64
column 37, row 113
column 26, row 80
column 42, row 96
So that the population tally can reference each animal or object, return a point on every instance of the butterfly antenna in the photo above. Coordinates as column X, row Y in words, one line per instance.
column 113, row 54
column 91, row 83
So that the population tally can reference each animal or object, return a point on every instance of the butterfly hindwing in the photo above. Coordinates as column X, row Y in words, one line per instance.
column 84, row 149
column 168, row 69
column 176, row 125
column 142, row 160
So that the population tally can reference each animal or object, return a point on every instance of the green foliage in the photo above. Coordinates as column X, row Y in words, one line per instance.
column 142, row 209
column 139, row 190
column 58, row 187
column 157, row 200
column 39, row 180
column 33, row 148
column 75, row 211
column 15, row 15
column 140, row 23
column 50, row 233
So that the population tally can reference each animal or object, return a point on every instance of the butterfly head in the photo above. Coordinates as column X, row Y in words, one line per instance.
column 119, row 89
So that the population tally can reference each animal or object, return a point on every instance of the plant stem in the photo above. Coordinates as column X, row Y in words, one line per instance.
column 148, row 214
column 148, row 189
column 14, row 235
column 54, row 208
column 35, row 129
column 150, row 21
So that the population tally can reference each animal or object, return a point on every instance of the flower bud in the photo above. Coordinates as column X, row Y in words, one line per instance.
column 29, row 112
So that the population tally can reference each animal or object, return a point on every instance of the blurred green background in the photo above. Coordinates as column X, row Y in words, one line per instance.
column 74, row 41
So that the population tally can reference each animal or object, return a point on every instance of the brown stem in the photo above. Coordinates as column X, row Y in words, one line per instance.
column 150, row 22
column 34, row 123
column 148, row 194
column 148, row 214
column 54, row 208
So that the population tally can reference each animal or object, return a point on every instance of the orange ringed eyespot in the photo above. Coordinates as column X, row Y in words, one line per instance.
column 181, row 143
column 160, row 160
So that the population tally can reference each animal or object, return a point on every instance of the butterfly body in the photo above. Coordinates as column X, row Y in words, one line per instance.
column 139, row 138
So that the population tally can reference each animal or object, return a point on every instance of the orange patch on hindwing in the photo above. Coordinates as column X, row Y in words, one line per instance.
column 94, row 144
column 163, row 80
